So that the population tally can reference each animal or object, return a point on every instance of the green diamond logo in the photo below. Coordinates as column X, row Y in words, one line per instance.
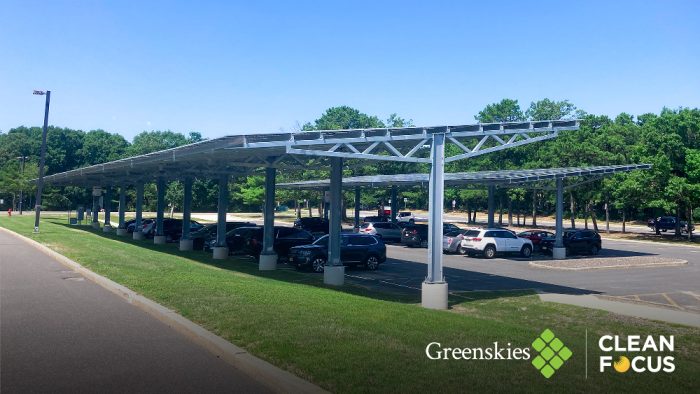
column 552, row 353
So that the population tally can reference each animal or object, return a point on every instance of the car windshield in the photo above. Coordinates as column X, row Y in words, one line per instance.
column 365, row 225
column 323, row 241
column 471, row 233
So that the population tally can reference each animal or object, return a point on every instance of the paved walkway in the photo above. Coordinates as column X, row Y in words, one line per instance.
column 62, row 333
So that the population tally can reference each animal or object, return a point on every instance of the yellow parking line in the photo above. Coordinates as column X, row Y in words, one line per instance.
column 692, row 295
column 670, row 301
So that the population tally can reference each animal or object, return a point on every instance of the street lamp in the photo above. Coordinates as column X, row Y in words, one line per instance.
column 21, row 189
column 42, row 159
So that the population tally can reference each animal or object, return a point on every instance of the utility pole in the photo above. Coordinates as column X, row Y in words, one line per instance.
column 42, row 159
column 21, row 196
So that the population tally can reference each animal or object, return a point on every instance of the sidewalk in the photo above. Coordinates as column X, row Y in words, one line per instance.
column 61, row 332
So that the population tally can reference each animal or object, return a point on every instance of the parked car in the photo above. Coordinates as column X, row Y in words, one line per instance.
column 452, row 240
column 536, row 236
column 385, row 211
column 409, row 217
column 355, row 249
column 313, row 225
column 376, row 219
column 235, row 239
column 249, row 240
column 492, row 241
column 208, row 232
column 576, row 241
column 131, row 224
column 172, row 228
column 666, row 223
column 386, row 231
column 417, row 234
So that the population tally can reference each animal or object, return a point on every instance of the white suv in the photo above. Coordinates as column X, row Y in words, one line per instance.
column 494, row 240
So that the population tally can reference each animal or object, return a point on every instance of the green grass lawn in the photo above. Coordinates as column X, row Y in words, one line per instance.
column 351, row 340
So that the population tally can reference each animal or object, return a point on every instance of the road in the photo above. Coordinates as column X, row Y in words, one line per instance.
column 62, row 333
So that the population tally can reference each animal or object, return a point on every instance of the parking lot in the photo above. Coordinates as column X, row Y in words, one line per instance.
column 673, row 287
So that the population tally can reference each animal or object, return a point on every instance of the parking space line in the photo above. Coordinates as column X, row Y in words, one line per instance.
column 690, row 293
column 670, row 301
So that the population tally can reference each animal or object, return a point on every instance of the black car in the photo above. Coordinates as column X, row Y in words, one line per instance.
column 249, row 240
column 312, row 225
column 665, row 223
column 172, row 229
column 417, row 234
column 208, row 232
column 355, row 249
column 576, row 242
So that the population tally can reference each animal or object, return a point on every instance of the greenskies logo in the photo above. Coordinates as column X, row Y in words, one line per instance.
column 552, row 353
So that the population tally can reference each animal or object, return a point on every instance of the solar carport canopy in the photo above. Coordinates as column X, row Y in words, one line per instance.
column 501, row 177
column 241, row 153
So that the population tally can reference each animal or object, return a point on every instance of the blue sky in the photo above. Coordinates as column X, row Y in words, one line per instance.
column 246, row 67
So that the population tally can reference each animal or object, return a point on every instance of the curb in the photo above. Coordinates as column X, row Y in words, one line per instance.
column 270, row 376
column 651, row 242
column 642, row 265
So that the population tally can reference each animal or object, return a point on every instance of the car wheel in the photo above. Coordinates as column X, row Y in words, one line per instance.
column 594, row 250
column 411, row 221
column 526, row 251
column 318, row 264
column 462, row 250
column 372, row 263
column 490, row 251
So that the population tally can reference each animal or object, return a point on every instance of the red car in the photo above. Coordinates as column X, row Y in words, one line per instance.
column 536, row 237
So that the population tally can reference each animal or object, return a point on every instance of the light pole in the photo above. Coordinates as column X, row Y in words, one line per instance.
column 21, row 189
column 42, row 159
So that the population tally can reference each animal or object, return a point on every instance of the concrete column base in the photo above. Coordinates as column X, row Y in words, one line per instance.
column 334, row 275
column 220, row 252
column 434, row 295
column 96, row 225
column 107, row 228
column 186, row 245
column 159, row 239
column 137, row 235
column 121, row 232
column 268, row 262
column 559, row 253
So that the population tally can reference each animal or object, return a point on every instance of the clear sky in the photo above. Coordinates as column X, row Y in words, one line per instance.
column 227, row 67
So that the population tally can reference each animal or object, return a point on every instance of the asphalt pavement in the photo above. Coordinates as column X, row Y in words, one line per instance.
column 675, row 287
column 61, row 333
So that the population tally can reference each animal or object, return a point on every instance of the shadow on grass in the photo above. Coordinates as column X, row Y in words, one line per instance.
column 396, row 280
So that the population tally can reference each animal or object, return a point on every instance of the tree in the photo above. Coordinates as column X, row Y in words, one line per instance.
column 153, row 141
column 507, row 110
column 344, row 117
column 100, row 146
column 547, row 109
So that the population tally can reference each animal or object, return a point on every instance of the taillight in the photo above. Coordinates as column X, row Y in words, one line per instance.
column 414, row 231
column 476, row 239
column 449, row 240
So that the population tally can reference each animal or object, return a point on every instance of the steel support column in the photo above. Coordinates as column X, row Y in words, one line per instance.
column 491, row 206
column 559, row 252
column 108, row 209
column 434, row 289
column 334, row 272
column 121, row 227
column 268, row 257
column 220, row 251
column 185, row 241
column 357, row 208
column 394, row 204
column 138, row 223
column 159, row 238
column 95, row 212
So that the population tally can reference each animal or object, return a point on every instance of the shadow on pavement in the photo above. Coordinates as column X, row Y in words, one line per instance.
column 396, row 280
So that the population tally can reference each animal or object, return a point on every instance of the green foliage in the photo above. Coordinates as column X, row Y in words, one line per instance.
column 507, row 110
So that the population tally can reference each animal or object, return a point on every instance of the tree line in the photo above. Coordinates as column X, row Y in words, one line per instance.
column 669, row 140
